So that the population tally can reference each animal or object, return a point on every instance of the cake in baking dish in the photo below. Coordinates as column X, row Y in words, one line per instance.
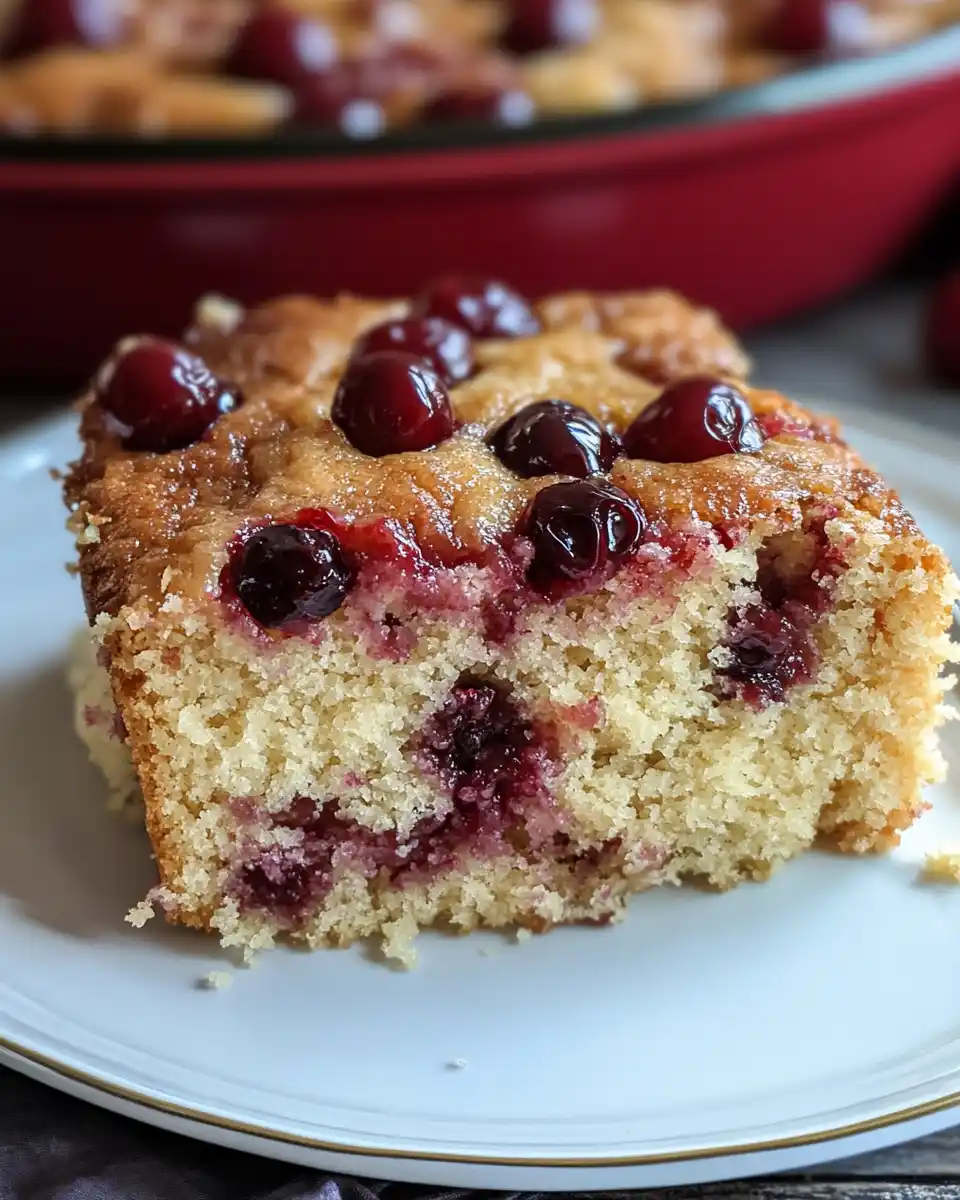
column 465, row 611
column 229, row 67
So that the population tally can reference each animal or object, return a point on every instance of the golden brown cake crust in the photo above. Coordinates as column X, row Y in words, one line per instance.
column 150, row 523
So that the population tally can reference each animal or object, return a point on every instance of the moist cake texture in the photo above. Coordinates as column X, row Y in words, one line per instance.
column 229, row 67
column 465, row 611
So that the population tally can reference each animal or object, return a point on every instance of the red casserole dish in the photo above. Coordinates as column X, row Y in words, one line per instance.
column 760, row 203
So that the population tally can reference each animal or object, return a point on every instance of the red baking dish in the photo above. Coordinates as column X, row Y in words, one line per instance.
column 760, row 203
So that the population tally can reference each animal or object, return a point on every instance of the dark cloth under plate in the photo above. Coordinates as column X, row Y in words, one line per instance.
column 53, row 1147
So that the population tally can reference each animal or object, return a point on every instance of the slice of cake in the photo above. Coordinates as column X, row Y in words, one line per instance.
column 470, row 612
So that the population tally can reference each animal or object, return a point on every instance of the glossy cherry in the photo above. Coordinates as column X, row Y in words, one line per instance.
column 445, row 347
column 491, row 104
column 942, row 331
column 694, row 419
column 162, row 396
column 289, row 573
column 553, row 437
column 41, row 24
column 581, row 532
column 486, row 308
column 817, row 27
column 390, row 402
column 283, row 47
column 535, row 25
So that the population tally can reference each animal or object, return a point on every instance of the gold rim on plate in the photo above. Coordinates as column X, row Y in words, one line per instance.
column 197, row 1116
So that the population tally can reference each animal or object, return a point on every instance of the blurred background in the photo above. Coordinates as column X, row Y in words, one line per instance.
column 765, row 157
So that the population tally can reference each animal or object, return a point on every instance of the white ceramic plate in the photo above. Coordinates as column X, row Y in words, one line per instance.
column 706, row 1037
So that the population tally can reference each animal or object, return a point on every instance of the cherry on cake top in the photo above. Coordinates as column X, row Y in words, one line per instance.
column 392, row 402
column 554, row 437
column 160, row 395
column 447, row 348
column 692, row 420
column 486, row 308
column 392, row 395
column 456, row 503
column 392, row 398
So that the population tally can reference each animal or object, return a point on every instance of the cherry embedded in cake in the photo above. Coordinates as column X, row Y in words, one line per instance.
column 580, row 533
column 428, row 612
column 290, row 573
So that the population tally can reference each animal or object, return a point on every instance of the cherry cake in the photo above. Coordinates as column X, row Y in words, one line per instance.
column 249, row 67
column 471, row 611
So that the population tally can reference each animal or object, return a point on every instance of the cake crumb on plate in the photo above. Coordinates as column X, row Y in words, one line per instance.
column 215, row 981
column 941, row 867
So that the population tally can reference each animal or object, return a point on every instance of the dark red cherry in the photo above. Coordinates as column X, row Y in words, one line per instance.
column 356, row 93
column 817, row 27
column 401, row 67
column 162, row 396
column 552, row 437
column 282, row 46
column 770, row 652
column 288, row 573
column 445, row 347
column 694, row 419
column 942, row 332
column 484, row 307
column 391, row 402
column 494, row 105
column 534, row 25
column 340, row 98
column 581, row 532
column 41, row 24
column 278, row 881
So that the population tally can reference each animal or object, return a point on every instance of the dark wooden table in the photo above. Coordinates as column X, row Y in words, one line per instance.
column 56, row 1148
